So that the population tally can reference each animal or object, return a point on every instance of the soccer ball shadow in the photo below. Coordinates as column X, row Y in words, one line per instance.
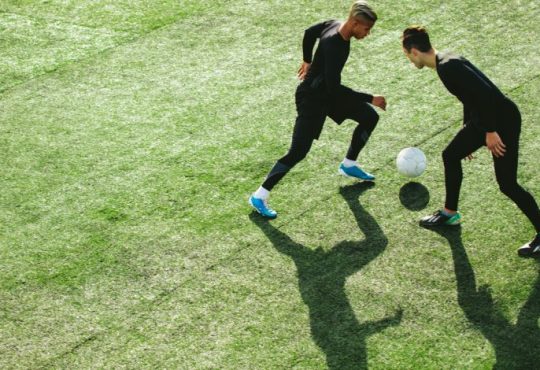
column 414, row 196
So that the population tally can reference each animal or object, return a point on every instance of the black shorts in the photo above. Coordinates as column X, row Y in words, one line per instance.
column 313, row 107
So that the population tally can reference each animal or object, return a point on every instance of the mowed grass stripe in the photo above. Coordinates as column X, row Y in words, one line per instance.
column 399, row 252
column 58, row 41
column 33, row 47
column 99, row 239
column 212, row 355
column 64, row 189
column 122, row 15
column 115, row 213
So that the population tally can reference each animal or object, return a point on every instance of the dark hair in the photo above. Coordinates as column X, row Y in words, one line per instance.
column 361, row 9
column 416, row 37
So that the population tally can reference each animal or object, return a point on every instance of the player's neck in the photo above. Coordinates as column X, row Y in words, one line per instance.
column 430, row 59
column 345, row 30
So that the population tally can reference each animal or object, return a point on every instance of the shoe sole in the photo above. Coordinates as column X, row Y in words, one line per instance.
column 343, row 173
column 440, row 225
column 458, row 223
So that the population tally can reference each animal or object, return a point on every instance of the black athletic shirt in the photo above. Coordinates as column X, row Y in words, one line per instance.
column 330, row 57
column 483, row 103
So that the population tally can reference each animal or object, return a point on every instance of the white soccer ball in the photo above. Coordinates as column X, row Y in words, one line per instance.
column 411, row 162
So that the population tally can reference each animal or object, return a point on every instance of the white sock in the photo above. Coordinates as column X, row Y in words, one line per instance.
column 261, row 193
column 349, row 163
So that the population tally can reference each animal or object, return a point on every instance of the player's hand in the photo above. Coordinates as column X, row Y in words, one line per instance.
column 495, row 144
column 470, row 157
column 379, row 101
column 302, row 72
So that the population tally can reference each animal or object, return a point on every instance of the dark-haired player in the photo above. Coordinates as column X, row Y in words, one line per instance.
column 321, row 94
column 489, row 118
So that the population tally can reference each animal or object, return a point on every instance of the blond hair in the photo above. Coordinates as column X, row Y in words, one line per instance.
column 361, row 9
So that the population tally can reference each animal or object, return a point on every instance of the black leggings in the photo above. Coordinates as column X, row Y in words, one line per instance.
column 302, row 142
column 467, row 141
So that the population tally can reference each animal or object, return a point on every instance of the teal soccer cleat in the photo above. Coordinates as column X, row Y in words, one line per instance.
column 440, row 219
column 261, row 206
column 355, row 172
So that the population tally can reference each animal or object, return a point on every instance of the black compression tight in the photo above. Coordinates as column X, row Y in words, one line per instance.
column 368, row 120
column 301, row 144
column 300, row 147
column 469, row 140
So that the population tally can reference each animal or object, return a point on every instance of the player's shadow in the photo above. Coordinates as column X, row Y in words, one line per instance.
column 516, row 346
column 414, row 196
column 321, row 279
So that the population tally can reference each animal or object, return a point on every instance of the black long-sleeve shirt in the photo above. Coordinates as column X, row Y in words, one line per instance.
column 329, row 60
column 483, row 102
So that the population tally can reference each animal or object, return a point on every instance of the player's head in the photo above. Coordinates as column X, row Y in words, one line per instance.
column 415, row 41
column 363, row 18
column 416, row 37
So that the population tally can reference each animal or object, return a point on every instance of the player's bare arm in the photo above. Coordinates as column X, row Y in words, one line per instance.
column 303, row 70
column 379, row 101
column 495, row 144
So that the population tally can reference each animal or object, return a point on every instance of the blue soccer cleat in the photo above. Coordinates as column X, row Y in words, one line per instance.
column 355, row 172
column 261, row 206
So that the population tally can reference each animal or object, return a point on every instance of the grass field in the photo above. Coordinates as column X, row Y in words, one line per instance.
column 133, row 132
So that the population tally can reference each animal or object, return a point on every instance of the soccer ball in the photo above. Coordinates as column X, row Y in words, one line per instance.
column 411, row 162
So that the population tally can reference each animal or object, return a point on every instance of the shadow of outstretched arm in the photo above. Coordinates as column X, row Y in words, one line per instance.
column 322, row 275
column 373, row 327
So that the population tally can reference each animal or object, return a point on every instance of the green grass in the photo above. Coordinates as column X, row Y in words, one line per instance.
column 132, row 133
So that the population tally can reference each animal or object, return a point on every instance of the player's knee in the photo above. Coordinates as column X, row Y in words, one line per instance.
column 509, row 188
column 373, row 119
column 296, row 156
column 448, row 157
column 300, row 156
column 367, row 119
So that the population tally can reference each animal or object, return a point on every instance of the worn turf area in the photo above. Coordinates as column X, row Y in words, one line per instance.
column 133, row 132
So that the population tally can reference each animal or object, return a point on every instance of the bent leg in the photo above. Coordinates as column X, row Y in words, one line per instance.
column 300, row 146
column 466, row 142
column 367, row 119
column 506, row 174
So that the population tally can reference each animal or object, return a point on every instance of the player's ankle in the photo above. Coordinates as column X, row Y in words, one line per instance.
column 348, row 162
column 448, row 212
column 261, row 193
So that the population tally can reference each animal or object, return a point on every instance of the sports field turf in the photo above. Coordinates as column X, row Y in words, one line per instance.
column 133, row 132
